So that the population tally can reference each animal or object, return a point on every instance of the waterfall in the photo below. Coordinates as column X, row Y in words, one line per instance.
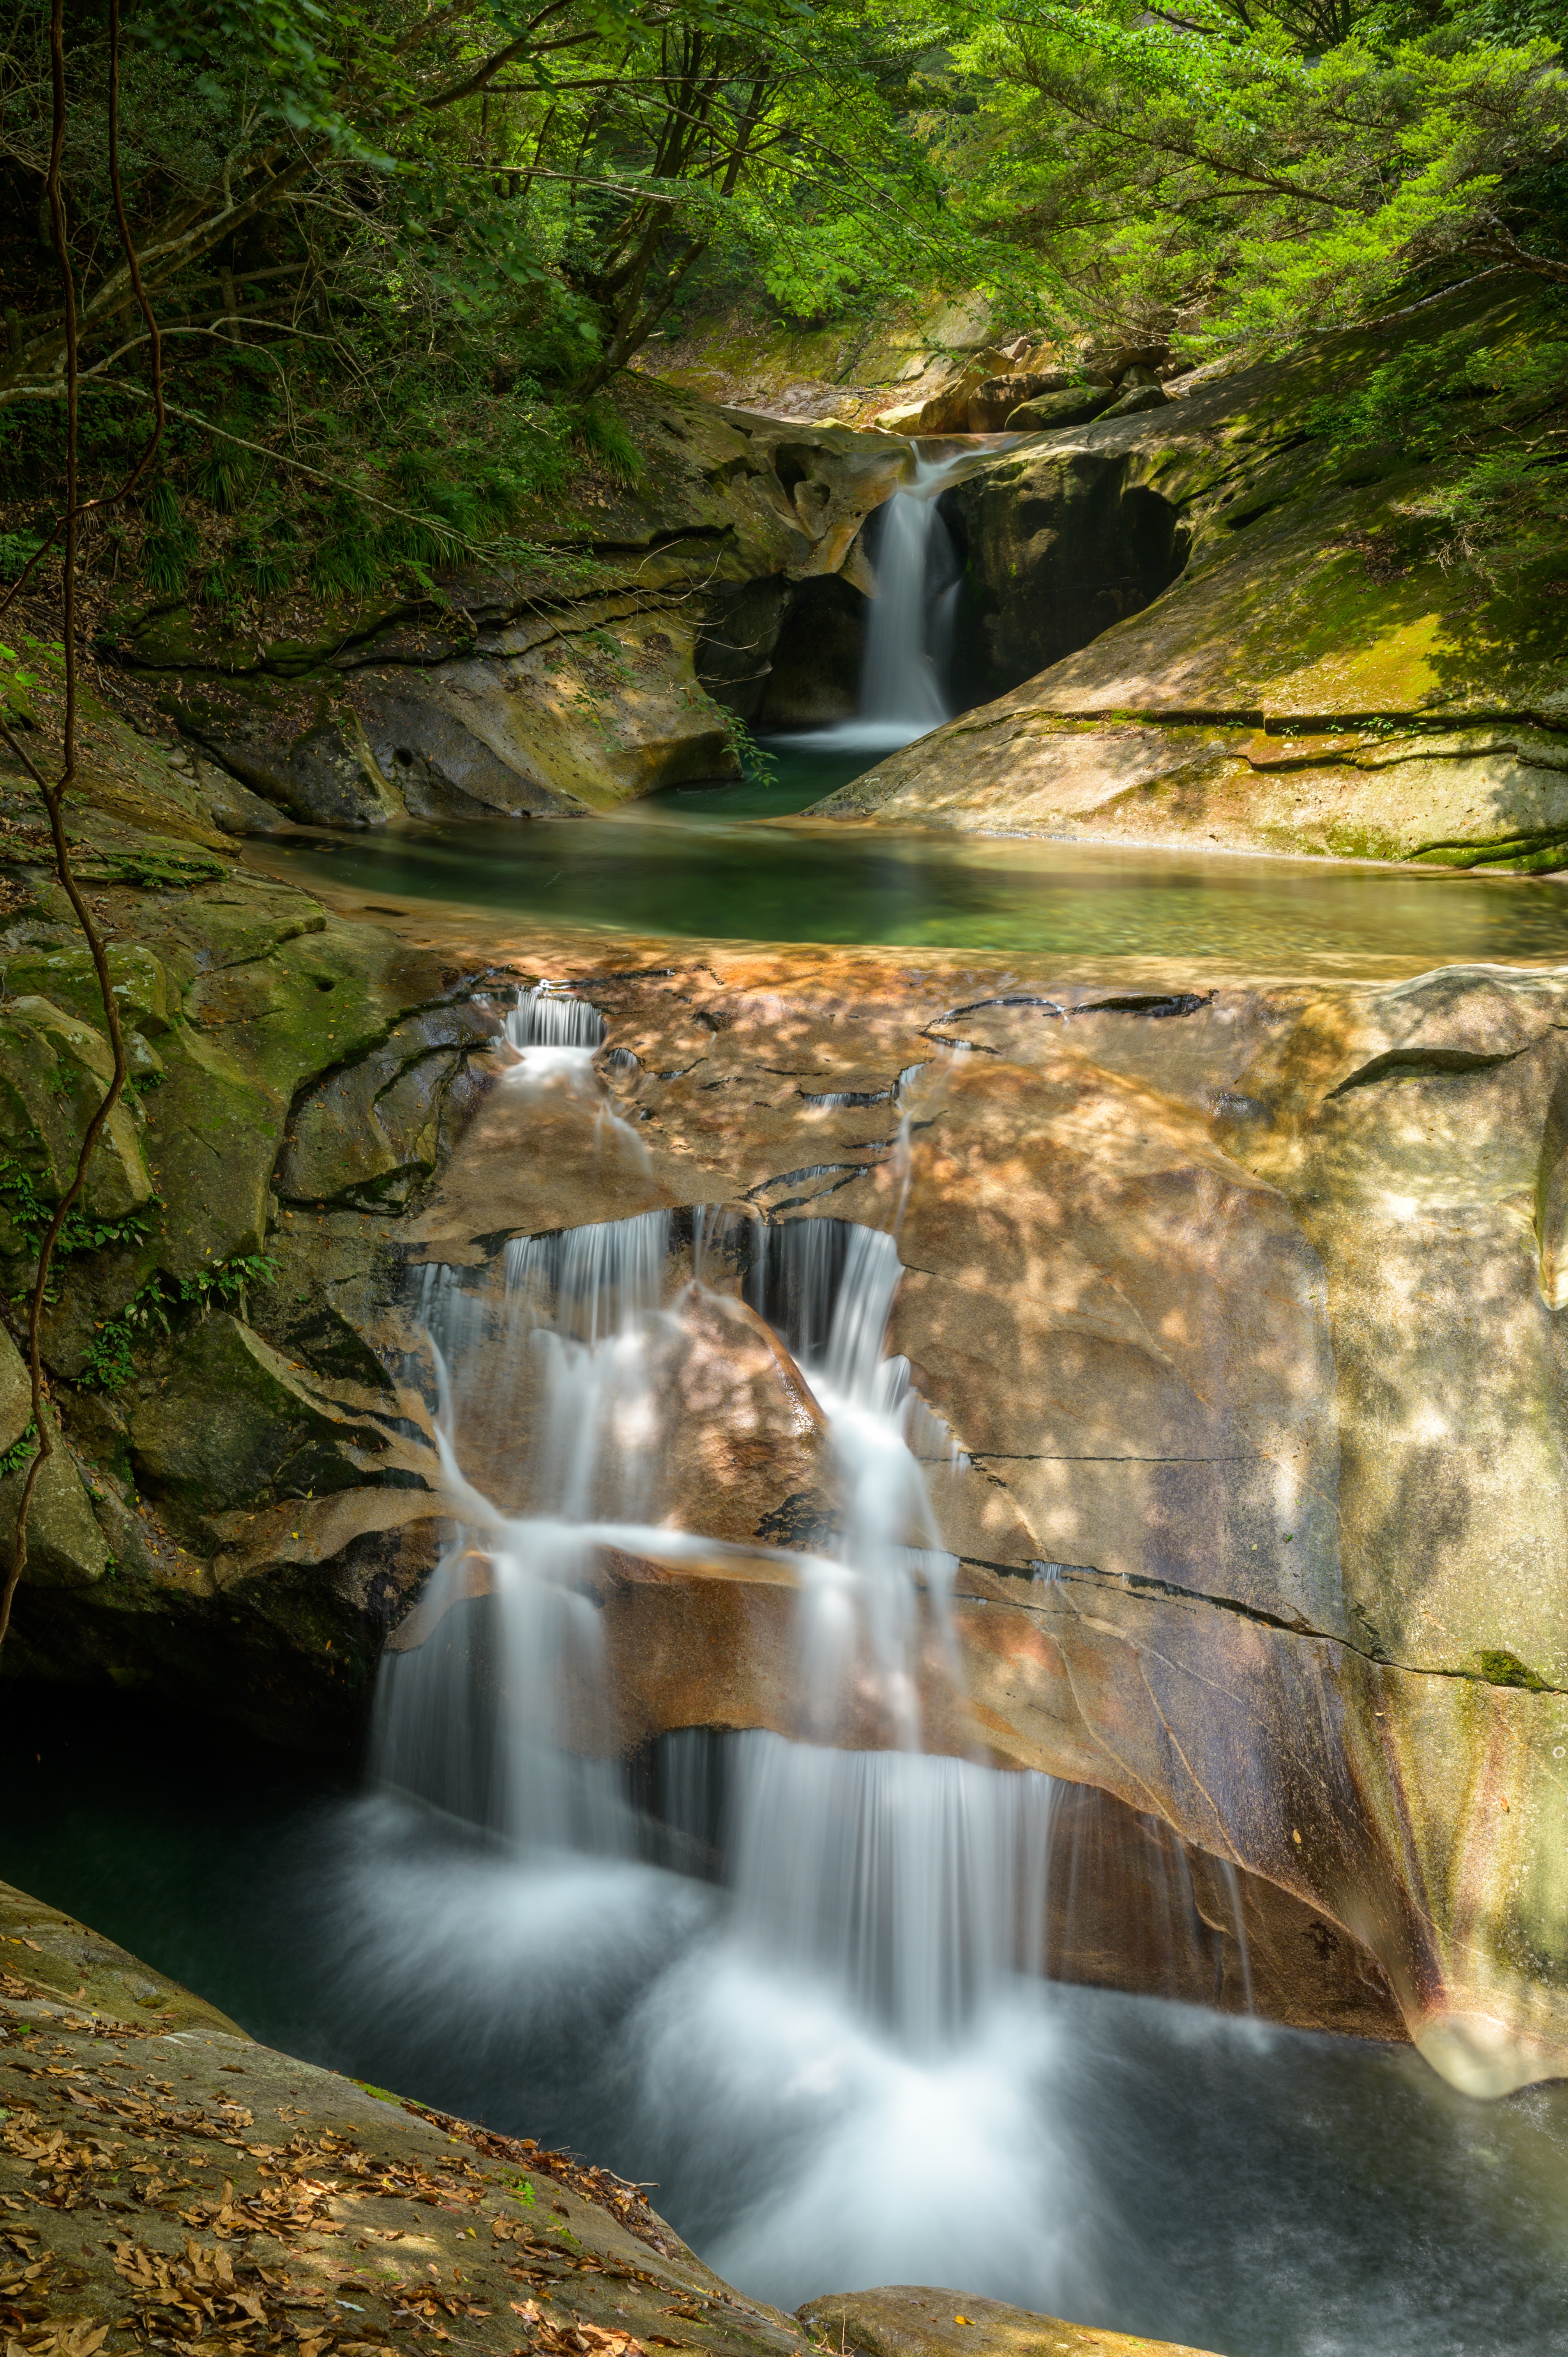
column 913, row 1885
column 508, row 1723
column 776, row 1976
column 556, row 1037
column 910, row 621
column 908, row 633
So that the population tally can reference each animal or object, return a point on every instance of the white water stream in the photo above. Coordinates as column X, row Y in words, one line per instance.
column 910, row 626
column 911, row 1883
column 860, row 1993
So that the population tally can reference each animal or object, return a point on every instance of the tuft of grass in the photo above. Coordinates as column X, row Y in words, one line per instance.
column 602, row 432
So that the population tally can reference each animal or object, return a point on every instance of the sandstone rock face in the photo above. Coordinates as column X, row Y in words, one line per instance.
column 602, row 674
column 1323, row 675
column 1243, row 1301
column 1243, row 1304
column 914, row 2320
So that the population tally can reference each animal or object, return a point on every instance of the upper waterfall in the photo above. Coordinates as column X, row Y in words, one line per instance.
column 909, row 632
column 903, row 690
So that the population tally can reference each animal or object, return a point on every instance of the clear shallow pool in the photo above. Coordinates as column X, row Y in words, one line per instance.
column 703, row 862
column 1252, row 2191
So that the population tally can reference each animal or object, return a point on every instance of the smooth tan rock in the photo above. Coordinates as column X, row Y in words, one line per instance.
column 910, row 2320
column 1324, row 676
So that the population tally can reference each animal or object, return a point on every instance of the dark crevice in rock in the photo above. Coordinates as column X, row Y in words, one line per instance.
column 1098, row 1457
column 974, row 1047
column 1019, row 998
column 1157, row 1006
column 1057, row 546
column 1422, row 1063
column 811, row 1170
column 1493, row 1669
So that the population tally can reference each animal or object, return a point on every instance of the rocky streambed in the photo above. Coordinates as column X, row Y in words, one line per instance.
column 164, row 2175
column 1230, row 1299
column 1239, row 1300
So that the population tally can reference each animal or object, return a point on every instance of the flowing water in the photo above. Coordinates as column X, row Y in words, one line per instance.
column 910, row 626
column 807, row 1988
column 804, row 1989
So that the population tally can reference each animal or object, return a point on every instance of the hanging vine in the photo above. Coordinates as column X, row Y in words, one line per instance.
column 67, row 527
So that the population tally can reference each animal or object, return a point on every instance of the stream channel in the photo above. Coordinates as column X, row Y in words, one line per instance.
column 706, row 863
column 794, row 1986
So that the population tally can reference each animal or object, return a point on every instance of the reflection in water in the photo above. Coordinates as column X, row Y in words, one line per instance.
column 701, row 874
column 1233, row 2186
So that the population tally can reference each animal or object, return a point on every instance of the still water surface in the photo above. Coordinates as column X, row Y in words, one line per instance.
column 703, row 862
column 1250, row 2190
column 1241, row 2188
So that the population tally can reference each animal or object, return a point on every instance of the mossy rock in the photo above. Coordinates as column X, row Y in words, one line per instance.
column 54, row 1070
column 65, row 1546
column 70, row 978
column 1048, row 412
column 222, row 1420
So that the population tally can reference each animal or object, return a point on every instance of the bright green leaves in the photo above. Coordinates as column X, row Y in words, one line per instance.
column 1226, row 176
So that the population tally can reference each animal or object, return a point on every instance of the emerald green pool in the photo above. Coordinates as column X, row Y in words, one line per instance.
column 712, row 862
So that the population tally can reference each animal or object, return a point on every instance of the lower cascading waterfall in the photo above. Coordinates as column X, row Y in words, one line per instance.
column 804, row 1985
column 912, row 1881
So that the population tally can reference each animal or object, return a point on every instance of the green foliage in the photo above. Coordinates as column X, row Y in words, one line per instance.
column 441, row 263
column 21, row 1452
column 1408, row 401
column 17, row 550
column 163, row 1303
column 169, row 544
column 455, row 225
column 601, row 431
column 1244, row 174
column 1456, row 398
column 758, row 766
column 18, row 680
column 30, row 1215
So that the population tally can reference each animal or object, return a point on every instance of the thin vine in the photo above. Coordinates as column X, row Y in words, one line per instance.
column 53, row 794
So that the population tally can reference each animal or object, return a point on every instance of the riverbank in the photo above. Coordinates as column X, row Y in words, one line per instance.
column 166, row 2178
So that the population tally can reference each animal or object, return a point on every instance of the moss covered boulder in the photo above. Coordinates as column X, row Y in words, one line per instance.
column 1334, row 669
column 593, row 673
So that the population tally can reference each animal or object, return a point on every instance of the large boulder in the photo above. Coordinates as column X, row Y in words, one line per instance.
column 1326, row 671
column 312, row 2162
column 603, row 671
column 1242, row 1303
column 1045, row 413
column 1058, row 545
column 220, row 1419
column 54, row 1072
column 996, row 400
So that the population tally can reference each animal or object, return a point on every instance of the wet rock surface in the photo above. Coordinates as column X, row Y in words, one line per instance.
column 1240, row 1302
column 913, row 2321
column 1218, row 1291
column 1319, row 675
